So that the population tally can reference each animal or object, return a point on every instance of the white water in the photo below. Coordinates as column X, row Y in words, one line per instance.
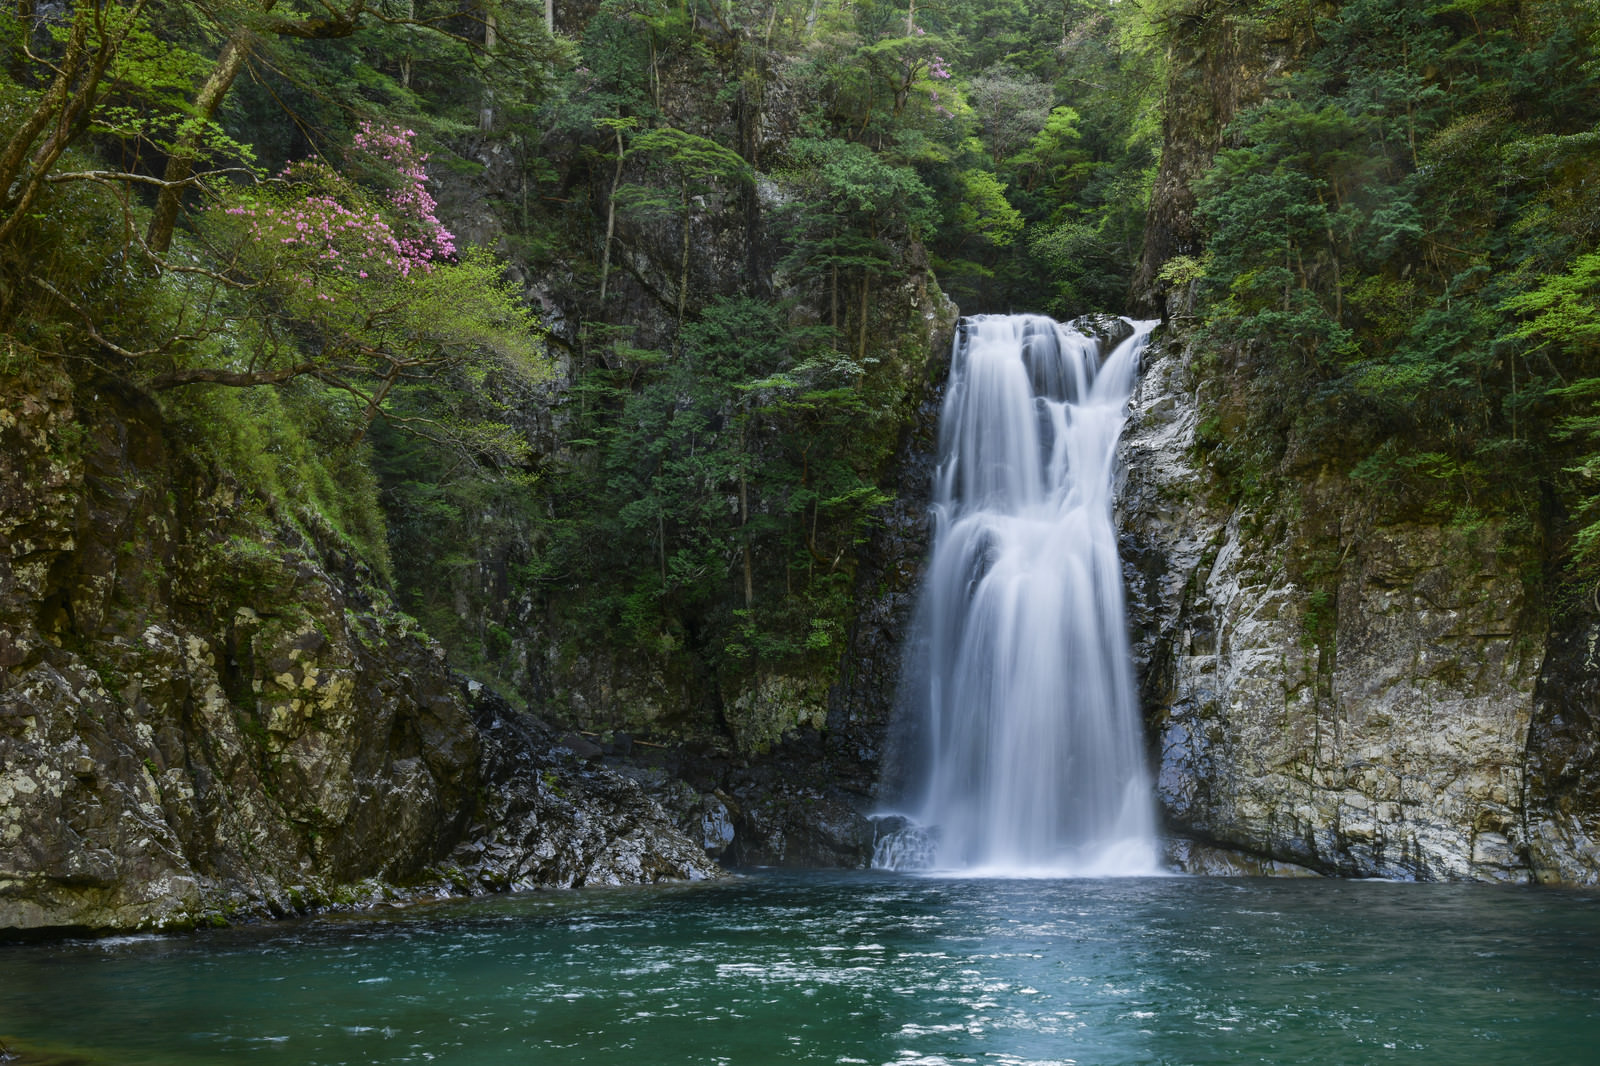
column 1025, row 752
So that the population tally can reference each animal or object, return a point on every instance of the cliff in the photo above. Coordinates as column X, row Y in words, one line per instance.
column 1355, row 694
column 208, row 708
column 1351, row 660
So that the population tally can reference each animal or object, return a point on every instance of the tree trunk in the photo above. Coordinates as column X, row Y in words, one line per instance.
column 744, row 528
column 683, row 266
column 50, row 106
column 180, row 165
column 611, row 219
column 661, row 546
column 833, row 296
column 67, row 106
column 486, row 110
column 239, row 379
column 405, row 60
column 375, row 404
column 772, row 22
column 861, row 346
column 186, row 152
column 550, row 17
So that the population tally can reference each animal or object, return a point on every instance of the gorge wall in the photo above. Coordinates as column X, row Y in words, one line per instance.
column 210, row 711
column 1369, row 723
column 1335, row 677
column 1359, row 696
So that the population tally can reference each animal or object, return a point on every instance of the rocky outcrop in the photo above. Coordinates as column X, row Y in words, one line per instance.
column 805, row 803
column 553, row 816
column 1354, row 694
column 207, row 711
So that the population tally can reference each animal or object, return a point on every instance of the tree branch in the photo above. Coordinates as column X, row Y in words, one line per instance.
column 141, row 179
column 210, row 375
column 88, row 322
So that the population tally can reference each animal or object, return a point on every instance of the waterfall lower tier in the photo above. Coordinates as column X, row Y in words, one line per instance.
column 1020, row 735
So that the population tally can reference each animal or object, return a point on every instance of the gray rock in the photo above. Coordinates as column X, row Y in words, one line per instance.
column 1370, row 719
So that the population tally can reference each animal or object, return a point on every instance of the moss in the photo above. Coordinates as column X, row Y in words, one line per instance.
column 1320, row 623
column 773, row 705
column 282, row 448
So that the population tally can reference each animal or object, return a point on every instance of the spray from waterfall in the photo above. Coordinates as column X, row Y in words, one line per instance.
column 1022, row 737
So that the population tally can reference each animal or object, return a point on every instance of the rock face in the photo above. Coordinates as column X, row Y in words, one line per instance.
column 1357, row 697
column 554, row 817
column 1324, row 685
column 1562, row 788
column 205, row 712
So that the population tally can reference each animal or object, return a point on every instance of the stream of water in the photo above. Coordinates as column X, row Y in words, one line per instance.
column 864, row 967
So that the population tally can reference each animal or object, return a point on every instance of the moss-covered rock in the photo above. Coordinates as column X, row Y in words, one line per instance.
column 209, row 711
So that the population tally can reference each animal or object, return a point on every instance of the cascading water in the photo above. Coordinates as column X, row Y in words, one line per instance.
column 1022, row 743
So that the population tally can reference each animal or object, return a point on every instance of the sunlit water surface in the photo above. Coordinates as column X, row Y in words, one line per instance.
column 849, row 968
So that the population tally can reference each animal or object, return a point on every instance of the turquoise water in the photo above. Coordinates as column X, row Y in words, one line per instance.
column 849, row 968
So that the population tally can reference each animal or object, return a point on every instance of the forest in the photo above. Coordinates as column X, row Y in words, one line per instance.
column 603, row 322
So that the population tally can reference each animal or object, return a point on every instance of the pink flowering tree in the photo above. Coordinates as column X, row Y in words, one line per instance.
column 390, row 155
column 319, row 227
column 910, row 68
column 349, row 278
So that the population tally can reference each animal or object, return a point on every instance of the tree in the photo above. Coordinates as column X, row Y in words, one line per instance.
column 849, row 203
column 1012, row 109
column 65, row 110
column 372, row 275
column 699, row 166
column 243, row 21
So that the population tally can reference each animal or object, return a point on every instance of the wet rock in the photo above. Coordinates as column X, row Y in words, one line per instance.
column 550, row 819
column 1562, row 813
column 716, row 825
column 1209, row 860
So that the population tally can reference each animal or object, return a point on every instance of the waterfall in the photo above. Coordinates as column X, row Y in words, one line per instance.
column 1020, row 723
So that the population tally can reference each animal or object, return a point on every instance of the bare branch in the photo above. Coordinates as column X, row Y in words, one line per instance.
column 109, row 344
column 141, row 179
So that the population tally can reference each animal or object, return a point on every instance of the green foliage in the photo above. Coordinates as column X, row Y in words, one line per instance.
column 735, row 455
column 289, row 454
column 710, row 476
column 1565, row 309
column 318, row 283
column 984, row 209
column 1402, row 252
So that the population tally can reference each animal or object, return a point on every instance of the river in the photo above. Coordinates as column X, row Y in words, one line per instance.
column 863, row 967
